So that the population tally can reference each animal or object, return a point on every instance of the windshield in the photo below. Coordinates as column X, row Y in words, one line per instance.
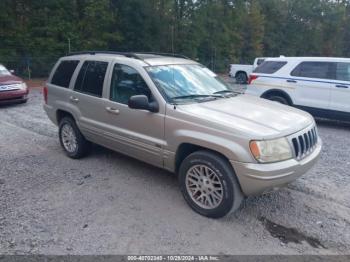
column 4, row 71
column 188, row 82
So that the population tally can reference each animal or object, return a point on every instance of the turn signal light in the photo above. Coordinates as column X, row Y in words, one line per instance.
column 45, row 92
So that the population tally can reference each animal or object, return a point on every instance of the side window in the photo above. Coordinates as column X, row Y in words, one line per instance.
column 270, row 67
column 91, row 77
column 323, row 70
column 127, row 82
column 260, row 61
column 343, row 71
column 64, row 73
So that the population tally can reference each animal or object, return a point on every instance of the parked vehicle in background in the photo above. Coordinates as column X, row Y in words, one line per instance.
column 12, row 88
column 176, row 114
column 318, row 85
column 241, row 72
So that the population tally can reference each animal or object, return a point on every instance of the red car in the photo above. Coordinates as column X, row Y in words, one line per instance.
column 12, row 88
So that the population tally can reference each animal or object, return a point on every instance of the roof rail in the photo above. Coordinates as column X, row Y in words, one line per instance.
column 162, row 54
column 136, row 55
column 127, row 54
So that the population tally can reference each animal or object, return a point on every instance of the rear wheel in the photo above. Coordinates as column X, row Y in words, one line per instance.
column 72, row 141
column 241, row 78
column 279, row 99
column 209, row 184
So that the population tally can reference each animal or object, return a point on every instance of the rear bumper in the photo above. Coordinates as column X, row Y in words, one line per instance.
column 13, row 96
column 51, row 113
column 256, row 179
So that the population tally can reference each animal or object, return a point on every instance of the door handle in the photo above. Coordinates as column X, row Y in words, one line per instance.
column 291, row 81
column 74, row 99
column 342, row 86
column 112, row 110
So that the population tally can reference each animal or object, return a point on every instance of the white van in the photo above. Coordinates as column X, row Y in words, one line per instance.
column 319, row 85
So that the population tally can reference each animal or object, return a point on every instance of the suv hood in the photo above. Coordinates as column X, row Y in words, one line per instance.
column 245, row 114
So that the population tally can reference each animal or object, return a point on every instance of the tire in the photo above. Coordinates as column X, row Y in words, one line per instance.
column 231, row 194
column 279, row 99
column 241, row 78
column 80, row 147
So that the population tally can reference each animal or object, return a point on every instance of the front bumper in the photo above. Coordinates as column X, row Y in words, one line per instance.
column 13, row 96
column 257, row 178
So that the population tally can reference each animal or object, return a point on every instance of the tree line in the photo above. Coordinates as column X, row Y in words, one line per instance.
column 34, row 33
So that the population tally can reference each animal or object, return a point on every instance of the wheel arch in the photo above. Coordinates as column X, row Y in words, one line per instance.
column 277, row 92
column 240, row 72
column 185, row 149
column 60, row 114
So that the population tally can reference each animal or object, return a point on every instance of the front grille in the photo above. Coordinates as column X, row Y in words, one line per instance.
column 304, row 144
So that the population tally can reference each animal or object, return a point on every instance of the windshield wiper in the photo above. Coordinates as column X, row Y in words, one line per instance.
column 194, row 96
column 225, row 91
column 230, row 92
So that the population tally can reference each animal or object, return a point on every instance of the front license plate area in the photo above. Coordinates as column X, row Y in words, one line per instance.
column 9, row 87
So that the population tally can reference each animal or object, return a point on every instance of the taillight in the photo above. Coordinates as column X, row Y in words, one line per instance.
column 252, row 78
column 45, row 92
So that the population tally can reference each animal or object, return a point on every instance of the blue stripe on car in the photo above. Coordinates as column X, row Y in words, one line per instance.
column 305, row 80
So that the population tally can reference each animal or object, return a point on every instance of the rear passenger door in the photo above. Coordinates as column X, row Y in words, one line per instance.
column 86, row 99
column 60, row 82
column 313, row 83
column 340, row 95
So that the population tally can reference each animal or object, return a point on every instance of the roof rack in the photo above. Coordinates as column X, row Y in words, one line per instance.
column 162, row 54
column 136, row 55
column 127, row 54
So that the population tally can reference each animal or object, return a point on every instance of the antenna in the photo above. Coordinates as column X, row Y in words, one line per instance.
column 172, row 39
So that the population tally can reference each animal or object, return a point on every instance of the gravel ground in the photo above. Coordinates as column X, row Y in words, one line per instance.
column 108, row 203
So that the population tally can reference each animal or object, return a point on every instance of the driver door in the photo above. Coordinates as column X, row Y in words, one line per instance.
column 137, row 133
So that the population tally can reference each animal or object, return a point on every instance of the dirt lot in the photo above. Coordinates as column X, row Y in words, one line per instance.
column 111, row 204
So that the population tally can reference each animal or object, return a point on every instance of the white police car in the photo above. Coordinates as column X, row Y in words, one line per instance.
column 319, row 85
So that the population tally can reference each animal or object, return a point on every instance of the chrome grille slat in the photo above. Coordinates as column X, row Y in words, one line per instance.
column 312, row 138
column 307, row 142
column 316, row 135
column 304, row 143
column 299, row 148
column 309, row 139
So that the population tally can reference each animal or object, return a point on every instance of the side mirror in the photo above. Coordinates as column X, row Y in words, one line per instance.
column 12, row 71
column 141, row 102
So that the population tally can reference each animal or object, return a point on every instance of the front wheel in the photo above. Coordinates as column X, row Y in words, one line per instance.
column 209, row 184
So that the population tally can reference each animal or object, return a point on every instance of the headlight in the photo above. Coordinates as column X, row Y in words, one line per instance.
column 23, row 86
column 268, row 151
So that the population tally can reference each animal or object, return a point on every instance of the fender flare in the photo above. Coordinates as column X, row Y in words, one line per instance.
column 279, row 92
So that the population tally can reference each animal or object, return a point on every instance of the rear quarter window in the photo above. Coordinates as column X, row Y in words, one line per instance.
column 270, row 67
column 322, row 70
column 64, row 73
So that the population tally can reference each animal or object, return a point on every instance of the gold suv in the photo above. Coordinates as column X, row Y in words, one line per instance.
column 176, row 114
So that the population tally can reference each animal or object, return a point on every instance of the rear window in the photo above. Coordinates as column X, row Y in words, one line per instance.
column 343, row 71
column 91, row 77
column 260, row 61
column 64, row 73
column 323, row 70
column 270, row 67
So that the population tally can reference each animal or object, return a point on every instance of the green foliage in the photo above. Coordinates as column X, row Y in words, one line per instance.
column 34, row 33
